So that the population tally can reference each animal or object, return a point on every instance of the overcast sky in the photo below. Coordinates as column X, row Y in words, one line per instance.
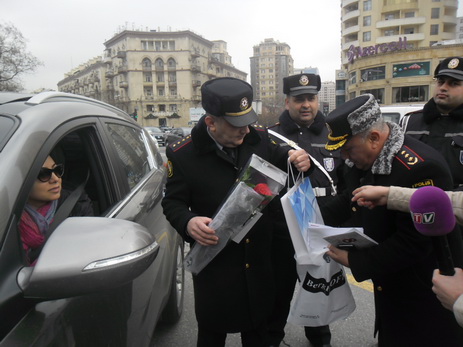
column 66, row 33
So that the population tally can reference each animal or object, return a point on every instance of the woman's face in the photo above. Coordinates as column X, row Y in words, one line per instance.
column 44, row 192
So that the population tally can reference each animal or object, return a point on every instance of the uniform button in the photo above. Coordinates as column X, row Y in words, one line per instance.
column 379, row 288
column 248, row 266
column 248, row 240
column 354, row 209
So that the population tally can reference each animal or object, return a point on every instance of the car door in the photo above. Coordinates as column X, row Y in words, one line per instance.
column 100, row 318
column 132, row 155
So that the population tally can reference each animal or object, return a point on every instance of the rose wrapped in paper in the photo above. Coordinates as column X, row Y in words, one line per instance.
column 258, row 184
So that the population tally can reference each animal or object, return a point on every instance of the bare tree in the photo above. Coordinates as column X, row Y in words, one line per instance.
column 271, row 110
column 14, row 59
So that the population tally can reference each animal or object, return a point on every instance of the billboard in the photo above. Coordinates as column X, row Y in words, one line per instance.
column 196, row 113
column 410, row 69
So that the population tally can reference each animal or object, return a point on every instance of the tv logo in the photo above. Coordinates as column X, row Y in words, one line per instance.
column 424, row 218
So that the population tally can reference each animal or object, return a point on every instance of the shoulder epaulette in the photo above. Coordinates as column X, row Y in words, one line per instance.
column 259, row 127
column 408, row 157
column 181, row 143
column 274, row 125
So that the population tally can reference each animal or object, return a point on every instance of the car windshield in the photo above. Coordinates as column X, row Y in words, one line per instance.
column 154, row 129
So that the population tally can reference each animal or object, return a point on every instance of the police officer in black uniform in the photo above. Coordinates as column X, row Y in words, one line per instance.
column 235, row 291
column 440, row 123
column 402, row 264
column 304, row 124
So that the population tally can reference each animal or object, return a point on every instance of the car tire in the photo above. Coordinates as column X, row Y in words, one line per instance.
column 174, row 307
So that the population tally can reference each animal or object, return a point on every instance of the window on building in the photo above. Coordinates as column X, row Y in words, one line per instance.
column 148, row 77
column 372, row 74
column 157, row 45
column 150, row 108
column 353, row 77
column 409, row 30
column 159, row 76
column 172, row 45
column 171, row 63
column 148, row 91
column 410, row 94
column 434, row 29
column 367, row 5
column 164, row 45
column 159, row 63
column 172, row 76
column 366, row 21
column 351, row 95
column 435, row 12
column 173, row 107
column 390, row 32
column 162, row 108
column 146, row 63
column 377, row 93
column 161, row 91
column 173, row 91
column 367, row 36
column 409, row 14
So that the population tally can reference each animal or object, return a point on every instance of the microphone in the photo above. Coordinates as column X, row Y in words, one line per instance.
column 433, row 216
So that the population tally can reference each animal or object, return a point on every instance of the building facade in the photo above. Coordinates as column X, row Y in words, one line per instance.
column 154, row 75
column 270, row 63
column 390, row 48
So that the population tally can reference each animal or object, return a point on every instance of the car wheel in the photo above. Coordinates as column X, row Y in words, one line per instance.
column 174, row 307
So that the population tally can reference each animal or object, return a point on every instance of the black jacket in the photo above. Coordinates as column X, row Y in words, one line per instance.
column 444, row 133
column 401, row 266
column 234, row 292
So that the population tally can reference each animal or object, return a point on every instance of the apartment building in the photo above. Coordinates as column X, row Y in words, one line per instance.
column 390, row 48
column 271, row 61
column 155, row 75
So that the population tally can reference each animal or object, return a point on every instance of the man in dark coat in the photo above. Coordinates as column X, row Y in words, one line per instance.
column 304, row 124
column 235, row 291
column 401, row 265
column 440, row 123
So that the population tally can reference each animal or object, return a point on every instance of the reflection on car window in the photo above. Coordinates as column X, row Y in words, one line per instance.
column 131, row 150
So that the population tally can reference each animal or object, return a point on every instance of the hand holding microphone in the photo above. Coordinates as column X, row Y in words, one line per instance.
column 433, row 216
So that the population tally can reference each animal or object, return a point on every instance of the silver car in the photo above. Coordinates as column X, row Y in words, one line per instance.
column 99, row 281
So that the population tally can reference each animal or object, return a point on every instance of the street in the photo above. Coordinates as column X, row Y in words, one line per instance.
column 355, row 331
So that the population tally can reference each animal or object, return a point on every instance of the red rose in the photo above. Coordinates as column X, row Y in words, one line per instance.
column 263, row 189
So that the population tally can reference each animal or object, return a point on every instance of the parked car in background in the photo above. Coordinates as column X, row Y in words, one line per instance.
column 394, row 113
column 158, row 134
column 99, row 281
column 177, row 134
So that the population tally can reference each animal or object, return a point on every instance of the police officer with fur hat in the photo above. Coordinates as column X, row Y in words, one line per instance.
column 304, row 124
column 235, row 291
column 440, row 123
column 401, row 265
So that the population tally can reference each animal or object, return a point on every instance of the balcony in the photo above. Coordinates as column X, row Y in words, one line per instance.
column 109, row 73
column 400, row 21
column 122, row 68
column 123, row 84
column 195, row 68
column 159, row 68
column 195, row 52
column 350, row 15
column 172, row 83
column 121, row 54
column 351, row 30
column 348, row 2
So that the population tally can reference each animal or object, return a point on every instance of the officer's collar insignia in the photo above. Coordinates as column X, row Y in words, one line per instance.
column 244, row 104
column 304, row 80
column 453, row 64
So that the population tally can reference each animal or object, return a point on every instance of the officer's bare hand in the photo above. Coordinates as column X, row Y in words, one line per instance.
column 300, row 159
column 199, row 230
column 338, row 255
column 448, row 288
column 371, row 196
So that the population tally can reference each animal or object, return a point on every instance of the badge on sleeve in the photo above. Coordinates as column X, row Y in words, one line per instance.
column 328, row 163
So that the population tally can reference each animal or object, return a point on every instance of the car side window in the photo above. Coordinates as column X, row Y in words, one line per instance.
column 131, row 150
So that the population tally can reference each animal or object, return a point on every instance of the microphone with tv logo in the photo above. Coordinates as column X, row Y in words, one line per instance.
column 433, row 216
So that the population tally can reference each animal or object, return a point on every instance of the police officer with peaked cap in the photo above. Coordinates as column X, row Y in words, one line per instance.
column 401, row 265
column 234, row 292
column 440, row 123
column 304, row 124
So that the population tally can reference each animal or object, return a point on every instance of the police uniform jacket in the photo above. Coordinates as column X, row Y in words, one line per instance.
column 235, row 291
column 401, row 265
column 444, row 133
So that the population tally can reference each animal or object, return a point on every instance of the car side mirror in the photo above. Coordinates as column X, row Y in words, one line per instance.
column 87, row 255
